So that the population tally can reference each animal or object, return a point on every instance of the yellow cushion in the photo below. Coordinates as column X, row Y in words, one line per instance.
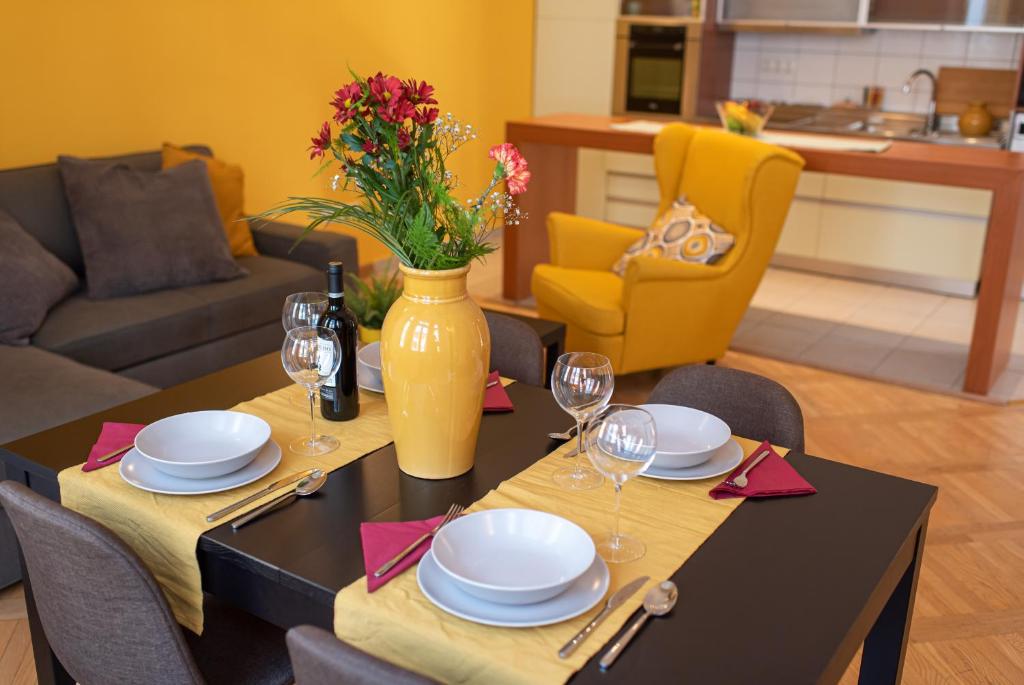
column 228, row 183
column 589, row 299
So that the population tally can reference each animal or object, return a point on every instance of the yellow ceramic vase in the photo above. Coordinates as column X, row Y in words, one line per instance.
column 435, row 349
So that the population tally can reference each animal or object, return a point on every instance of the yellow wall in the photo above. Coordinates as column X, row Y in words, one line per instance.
column 251, row 78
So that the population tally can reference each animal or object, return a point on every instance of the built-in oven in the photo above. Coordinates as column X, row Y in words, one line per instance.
column 653, row 70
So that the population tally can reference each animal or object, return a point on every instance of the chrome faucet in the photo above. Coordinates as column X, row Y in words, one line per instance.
column 932, row 122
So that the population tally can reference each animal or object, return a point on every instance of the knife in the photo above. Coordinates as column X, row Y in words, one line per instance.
column 276, row 485
column 613, row 603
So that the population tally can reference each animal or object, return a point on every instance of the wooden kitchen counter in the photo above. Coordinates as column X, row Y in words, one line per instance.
column 550, row 144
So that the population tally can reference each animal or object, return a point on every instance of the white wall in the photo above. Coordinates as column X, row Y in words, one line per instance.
column 826, row 69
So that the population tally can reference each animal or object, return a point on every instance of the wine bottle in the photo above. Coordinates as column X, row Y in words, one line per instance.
column 339, row 396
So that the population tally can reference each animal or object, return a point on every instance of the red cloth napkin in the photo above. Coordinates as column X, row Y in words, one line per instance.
column 773, row 477
column 382, row 541
column 496, row 398
column 112, row 436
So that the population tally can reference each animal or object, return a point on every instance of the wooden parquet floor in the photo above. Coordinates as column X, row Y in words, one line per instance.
column 968, row 623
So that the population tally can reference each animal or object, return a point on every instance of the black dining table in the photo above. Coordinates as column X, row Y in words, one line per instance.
column 785, row 591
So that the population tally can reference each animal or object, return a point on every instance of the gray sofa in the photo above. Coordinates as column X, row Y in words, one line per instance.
column 93, row 354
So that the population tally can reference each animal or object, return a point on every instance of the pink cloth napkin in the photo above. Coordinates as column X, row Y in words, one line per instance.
column 773, row 477
column 496, row 398
column 382, row 541
column 112, row 436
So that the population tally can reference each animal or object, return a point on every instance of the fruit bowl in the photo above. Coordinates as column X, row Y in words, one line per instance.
column 747, row 118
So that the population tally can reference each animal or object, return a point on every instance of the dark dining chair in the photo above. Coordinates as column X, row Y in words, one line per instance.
column 755, row 407
column 107, row 620
column 319, row 658
column 516, row 349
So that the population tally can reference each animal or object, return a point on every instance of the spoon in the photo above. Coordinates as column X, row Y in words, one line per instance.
column 567, row 435
column 658, row 601
column 307, row 486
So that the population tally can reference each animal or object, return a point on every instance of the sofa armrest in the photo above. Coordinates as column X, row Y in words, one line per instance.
column 580, row 243
column 276, row 239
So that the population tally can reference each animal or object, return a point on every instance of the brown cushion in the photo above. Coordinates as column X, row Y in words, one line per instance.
column 142, row 231
column 31, row 281
column 228, row 183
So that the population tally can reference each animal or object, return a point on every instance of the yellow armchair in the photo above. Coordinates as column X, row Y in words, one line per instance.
column 665, row 312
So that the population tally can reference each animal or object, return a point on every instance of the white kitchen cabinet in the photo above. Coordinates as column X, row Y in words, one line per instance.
column 911, row 234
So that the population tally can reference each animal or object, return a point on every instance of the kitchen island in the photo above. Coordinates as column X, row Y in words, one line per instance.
column 551, row 142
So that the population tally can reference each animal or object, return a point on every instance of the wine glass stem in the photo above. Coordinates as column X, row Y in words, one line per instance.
column 579, row 441
column 312, row 418
column 618, row 514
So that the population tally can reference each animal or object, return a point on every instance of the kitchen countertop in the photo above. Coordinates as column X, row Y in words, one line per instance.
column 550, row 144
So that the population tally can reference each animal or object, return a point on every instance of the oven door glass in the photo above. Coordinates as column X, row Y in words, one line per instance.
column 655, row 83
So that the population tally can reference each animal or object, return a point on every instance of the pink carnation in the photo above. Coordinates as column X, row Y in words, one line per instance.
column 512, row 165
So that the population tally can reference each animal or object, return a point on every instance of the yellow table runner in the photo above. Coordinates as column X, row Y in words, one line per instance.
column 164, row 529
column 399, row 624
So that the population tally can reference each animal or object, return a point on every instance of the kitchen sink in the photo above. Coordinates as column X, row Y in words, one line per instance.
column 856, row 121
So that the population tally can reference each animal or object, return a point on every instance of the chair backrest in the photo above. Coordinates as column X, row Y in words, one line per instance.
column 516, row 349
column 755, row 407
column 319, row 658
column 103, row 613
column 744, row 185
column 34, row 196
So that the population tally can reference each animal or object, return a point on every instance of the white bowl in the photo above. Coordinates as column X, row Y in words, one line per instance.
column 513, row 556
column 686, row 437
column 203, row 444
column 368, row 360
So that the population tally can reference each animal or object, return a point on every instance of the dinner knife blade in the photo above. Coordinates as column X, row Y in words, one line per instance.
column 613, row 603
column 276, row 485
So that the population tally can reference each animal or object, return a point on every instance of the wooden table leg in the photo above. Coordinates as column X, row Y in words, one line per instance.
column 1002, row 275
column 552, row 188
column 886, row 645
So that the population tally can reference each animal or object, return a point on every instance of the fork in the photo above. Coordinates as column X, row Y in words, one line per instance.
column 453, row 513
column 741, row 481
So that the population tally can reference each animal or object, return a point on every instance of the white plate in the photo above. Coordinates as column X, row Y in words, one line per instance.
column 138, row 471
column 203, row 444
column 725, row 460
column 687, row 437
column 583, row 595
column 513, row 556
column 366, row 380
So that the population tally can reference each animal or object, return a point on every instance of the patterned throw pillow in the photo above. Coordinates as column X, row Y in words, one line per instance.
column 680, row 233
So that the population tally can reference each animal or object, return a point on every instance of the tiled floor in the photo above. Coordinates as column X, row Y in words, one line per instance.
column 895, row 334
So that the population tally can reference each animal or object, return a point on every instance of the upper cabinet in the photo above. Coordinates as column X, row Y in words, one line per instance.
column 790, row 12
column 953, row 15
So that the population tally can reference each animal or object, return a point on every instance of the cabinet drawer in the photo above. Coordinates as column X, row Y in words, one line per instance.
column 800, row 232
column 913, row 242
column 635, row 214
column 967, row 202
column 630, row 187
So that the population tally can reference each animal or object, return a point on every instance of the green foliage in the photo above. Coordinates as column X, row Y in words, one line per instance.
column 370, row 301
column 404, row 193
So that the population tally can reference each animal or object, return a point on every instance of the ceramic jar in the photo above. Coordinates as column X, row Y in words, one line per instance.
column 975, row 121
column 435, row 351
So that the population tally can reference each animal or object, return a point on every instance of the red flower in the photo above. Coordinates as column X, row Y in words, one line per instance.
column 322, row 142
column 419, row 93
column 396, row 111
column 346, row 101
column 403, row 138
column 512, row 166
column 370, row 147
column 384, row 89
column 425, row 115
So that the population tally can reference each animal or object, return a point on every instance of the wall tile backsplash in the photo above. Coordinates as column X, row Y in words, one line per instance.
column 826, row 69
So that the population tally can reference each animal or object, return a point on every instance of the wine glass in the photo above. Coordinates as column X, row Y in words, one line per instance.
column 621, row 443
column 302, row 309
column 582, row 383
column 311, row 355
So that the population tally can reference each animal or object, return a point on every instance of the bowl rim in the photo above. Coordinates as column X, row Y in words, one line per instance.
column 210, row 462
column 359, row 354
column 677, row 407
column 531, row 588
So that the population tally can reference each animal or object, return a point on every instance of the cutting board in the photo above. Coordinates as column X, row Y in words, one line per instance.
column 959, row 86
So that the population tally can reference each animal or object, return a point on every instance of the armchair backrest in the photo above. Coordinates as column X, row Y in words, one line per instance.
column 744, row 185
